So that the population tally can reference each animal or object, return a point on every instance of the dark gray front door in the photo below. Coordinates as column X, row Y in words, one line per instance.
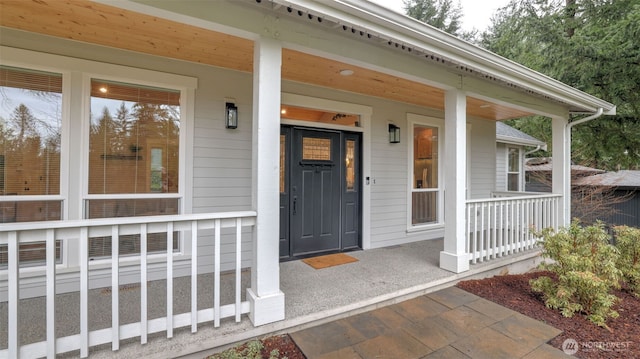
column 319, row 191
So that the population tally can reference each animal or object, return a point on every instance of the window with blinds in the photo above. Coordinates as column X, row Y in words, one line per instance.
column 133, row 149
column 30, row 135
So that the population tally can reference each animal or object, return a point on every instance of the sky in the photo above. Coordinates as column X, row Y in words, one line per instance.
column 476, row 13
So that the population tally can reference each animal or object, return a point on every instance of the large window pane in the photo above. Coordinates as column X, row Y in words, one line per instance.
column 134, row 139
column 30, row 128
column 133, row 149
column 30, row 133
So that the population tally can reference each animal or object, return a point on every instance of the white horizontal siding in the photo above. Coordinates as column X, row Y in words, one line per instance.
column 482, row 159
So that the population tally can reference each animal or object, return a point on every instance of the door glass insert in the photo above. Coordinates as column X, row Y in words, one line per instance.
column 316, row 149
column 350, row 164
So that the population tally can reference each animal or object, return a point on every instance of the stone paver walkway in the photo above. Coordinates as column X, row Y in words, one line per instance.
column 450, row 323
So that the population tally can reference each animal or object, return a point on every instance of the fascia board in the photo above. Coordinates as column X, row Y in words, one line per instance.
column 406, row 30
column 518, row 141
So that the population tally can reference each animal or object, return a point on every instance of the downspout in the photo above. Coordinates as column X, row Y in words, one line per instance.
column 569, row 126
column 538, row 148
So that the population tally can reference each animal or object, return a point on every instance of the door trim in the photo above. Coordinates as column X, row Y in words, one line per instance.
column 365, row 113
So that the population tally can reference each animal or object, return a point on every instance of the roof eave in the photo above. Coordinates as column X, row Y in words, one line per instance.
column 412, row 32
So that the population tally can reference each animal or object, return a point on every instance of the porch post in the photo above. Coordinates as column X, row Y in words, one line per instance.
column 265, row 297
column 454, row 257
column 561, row 171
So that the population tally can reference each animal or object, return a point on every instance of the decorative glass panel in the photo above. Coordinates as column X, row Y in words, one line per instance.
column 316, row 149
column 350, row 164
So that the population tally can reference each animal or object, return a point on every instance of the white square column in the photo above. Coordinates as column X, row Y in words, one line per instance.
column 265, row 297
column 454, row 257
column 561, row 171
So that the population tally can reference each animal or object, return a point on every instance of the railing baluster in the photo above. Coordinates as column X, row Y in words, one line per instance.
column 13, row 267
column 475, row 233
column 194, row 276
column 84, row 292
column 169, row 279
column 51, row 292
column 482, row 235
column 144, row 323
column 512, row 226
column 216, row 276
column 493, row 229
column 115, row 286
column 238, row 268
column 468, row 231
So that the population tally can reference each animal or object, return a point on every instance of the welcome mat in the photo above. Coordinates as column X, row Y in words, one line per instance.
column 329, row 260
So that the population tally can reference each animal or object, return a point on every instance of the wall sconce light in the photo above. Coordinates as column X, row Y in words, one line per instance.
column 231, row 115
column 394, row 133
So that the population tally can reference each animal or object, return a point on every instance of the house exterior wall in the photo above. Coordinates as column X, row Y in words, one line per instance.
column 482, row 155
column 218, row 161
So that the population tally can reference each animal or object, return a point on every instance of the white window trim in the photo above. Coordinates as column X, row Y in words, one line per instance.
column 76, row 78
column 413, row 120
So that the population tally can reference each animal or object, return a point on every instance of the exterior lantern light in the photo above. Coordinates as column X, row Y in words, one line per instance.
column 231, row 115
column 394, row 133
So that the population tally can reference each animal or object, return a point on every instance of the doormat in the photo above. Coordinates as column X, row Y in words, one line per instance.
column 329, row 260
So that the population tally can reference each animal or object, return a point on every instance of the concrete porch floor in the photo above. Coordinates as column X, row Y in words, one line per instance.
column 313, row 297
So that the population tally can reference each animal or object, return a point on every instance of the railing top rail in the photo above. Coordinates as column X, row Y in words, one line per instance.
column 506, row 199
column 519, row 193
column 28, row 226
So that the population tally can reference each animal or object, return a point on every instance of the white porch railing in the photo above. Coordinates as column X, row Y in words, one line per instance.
column 13, row 235
column 502, row 226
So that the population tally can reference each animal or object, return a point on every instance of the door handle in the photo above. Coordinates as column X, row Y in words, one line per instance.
column 295, row 201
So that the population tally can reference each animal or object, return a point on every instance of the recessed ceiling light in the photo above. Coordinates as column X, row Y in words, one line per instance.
column 283, row 111
column 346, row 72
column 103, row 89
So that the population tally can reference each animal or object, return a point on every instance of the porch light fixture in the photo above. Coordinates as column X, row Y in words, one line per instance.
column 231, row 115
column 394, row 133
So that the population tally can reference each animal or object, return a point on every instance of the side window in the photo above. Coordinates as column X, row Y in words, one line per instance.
column 425, row 187
column 30, row 135
column 134, row 143
column 513, row 169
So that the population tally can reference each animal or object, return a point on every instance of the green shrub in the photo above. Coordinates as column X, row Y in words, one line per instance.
column 585, row 267
column 628, row 244
column 250, row 350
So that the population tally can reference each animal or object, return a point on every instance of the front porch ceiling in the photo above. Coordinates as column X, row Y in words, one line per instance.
column 95, row 23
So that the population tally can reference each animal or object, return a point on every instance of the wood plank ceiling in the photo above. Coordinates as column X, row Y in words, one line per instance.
column 95, row 23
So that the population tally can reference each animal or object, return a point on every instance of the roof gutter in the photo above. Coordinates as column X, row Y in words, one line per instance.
column 586, row 119
column 406, row 30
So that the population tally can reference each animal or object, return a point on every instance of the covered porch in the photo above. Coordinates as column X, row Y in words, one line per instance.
column 224, row 267
column 379, row 277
